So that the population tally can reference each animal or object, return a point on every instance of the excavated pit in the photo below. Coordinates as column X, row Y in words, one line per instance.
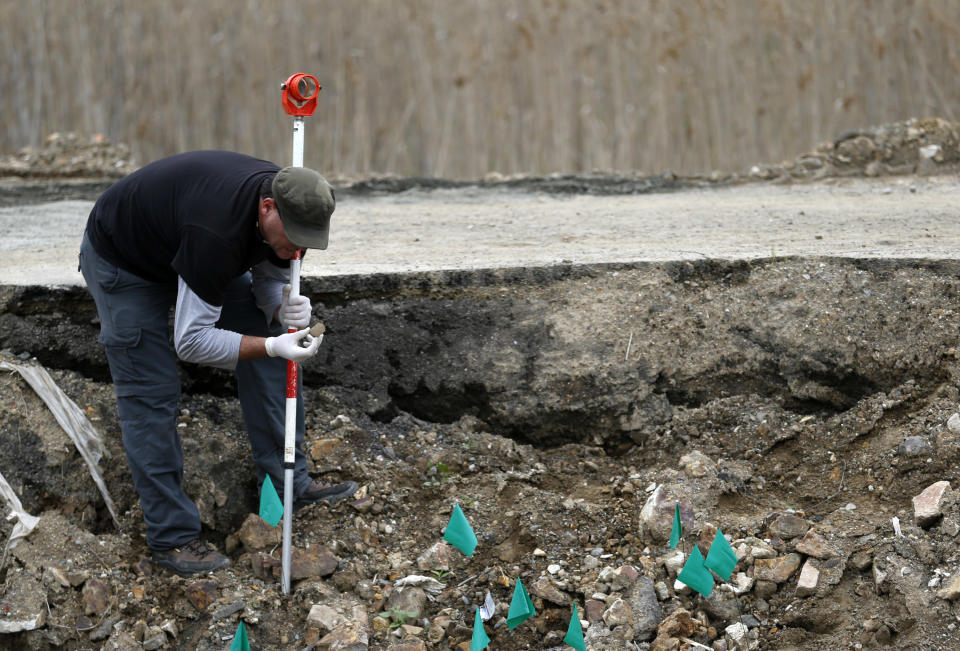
column 770, row 365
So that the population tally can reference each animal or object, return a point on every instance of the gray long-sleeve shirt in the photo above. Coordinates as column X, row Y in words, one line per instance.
column 195, row 335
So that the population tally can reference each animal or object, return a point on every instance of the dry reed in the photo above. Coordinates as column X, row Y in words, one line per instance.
column 462, row 88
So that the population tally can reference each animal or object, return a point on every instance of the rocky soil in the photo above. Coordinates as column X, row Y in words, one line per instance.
column 805, row 407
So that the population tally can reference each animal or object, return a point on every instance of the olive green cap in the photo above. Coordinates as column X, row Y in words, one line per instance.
column 305, row 202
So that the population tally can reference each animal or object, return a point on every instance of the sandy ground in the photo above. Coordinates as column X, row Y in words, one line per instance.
column 897, row 217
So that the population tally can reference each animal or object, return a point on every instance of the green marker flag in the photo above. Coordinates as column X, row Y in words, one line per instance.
column 721, row 558
column 459, row 533
column 480, row 639
column 520, row 607
column 271, row 508
column 695, row 575
column 677, row 533
column 240, row 642
column 574, row 636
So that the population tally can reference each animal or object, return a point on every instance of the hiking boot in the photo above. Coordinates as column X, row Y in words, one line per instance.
column 193, row 558
column 321, row 491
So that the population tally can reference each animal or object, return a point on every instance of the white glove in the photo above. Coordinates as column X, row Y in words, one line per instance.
column 294, row 312
column 288, row 346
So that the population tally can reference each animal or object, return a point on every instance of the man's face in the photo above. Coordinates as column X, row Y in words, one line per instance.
column 271, row 229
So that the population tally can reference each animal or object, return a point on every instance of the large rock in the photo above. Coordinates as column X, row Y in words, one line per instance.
column 352, row 635
column 776, row 570
column 656, row 516
column 256, row 534
column 545, row 589
column 789, row 526
column 642, row 598
column 409, row 600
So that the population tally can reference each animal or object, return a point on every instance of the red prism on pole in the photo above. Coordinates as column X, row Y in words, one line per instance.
column 299, row 99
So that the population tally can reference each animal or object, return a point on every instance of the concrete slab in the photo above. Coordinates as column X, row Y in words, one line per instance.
column 902, row 217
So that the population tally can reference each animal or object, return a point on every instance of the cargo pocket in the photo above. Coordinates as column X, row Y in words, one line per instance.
column 118, row 344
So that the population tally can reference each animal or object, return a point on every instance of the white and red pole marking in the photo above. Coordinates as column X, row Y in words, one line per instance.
column 299, row 100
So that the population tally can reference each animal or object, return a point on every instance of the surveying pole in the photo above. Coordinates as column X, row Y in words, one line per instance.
column 299, row 98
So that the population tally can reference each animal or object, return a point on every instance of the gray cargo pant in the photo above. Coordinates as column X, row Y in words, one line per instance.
column 134, row 329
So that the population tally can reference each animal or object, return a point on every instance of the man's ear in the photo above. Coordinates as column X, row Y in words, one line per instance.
column 265, row 205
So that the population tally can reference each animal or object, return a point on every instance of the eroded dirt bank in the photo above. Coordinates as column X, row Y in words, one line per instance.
column 797, row 404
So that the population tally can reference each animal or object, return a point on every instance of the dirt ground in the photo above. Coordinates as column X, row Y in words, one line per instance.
column 798, row 393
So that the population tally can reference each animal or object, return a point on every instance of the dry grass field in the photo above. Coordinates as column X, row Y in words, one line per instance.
column 461, row 89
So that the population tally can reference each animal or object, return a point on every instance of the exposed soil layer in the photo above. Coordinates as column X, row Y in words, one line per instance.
column 798, row 404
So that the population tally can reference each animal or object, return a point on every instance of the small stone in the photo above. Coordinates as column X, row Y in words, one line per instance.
column 951, row 591
column 807, row 582
column 861, row 559
column 949, row 527
column 435, row 558
column 678, row 624
column 879, row 576
column 410, row 630
column 736, row 636
column 256, row 534
column 594, row 610
column 55, row 575
column 697, row 464
column 324, row 617
column 154, row 638
column 381, row 624
column 623, row 577
column 96, row 596
column 312, row 562
column 913, row 446
column 349, row 635
column 953, row 423
column 928, row 505
column 674, row 563
column 170, row 628
column 764, row 589
column 362, row 505
column 618, row 614
column 663, row 593
column 539, row 552
column 741, row 583
column 813, row 544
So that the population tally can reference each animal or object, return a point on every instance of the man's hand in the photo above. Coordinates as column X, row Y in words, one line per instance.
column 294, row 312
column 288, row 346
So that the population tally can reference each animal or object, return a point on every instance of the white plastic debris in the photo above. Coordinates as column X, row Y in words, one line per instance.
column 488, row 608
column 896, row 526
column 25, row 522
column 426, row 582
